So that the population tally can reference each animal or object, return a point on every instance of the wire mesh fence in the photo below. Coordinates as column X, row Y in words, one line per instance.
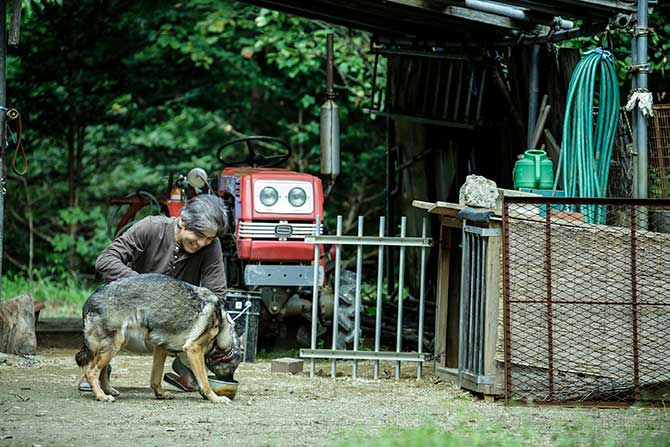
column 620, row 182
column 659, row 152
column 586, row 301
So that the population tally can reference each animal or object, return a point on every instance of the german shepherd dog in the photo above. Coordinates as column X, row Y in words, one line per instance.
column 159, row 314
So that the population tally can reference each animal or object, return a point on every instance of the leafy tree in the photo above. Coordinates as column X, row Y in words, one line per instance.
column 166, row 85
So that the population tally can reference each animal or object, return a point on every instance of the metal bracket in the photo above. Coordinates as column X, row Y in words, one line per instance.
column 484, row 232
column 639, row 68
column 640, row 30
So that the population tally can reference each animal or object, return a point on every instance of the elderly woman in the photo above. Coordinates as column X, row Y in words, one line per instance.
column 186, row 247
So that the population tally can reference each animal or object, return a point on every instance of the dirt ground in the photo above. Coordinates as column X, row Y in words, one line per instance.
column 40, row 405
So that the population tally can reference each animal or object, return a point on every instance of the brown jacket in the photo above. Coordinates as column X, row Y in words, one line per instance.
column 149, row 246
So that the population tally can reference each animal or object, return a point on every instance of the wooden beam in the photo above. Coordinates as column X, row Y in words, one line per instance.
column 470, row 15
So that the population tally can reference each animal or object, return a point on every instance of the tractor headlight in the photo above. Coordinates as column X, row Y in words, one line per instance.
column 297, row 197
column 269, row 196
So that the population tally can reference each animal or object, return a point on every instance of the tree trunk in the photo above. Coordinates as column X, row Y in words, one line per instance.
column 76, row 143
column 17, row 325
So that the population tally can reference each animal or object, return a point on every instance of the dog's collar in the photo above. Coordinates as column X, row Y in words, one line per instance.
column 225, row 315
column 224, row 358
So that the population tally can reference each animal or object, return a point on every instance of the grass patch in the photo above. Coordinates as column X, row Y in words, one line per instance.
column 64, row 296
column 582, row 428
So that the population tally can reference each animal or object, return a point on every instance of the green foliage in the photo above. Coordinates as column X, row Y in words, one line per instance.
column 618, row 41
column 87, row 246
column 49, row 288
column 167, row 85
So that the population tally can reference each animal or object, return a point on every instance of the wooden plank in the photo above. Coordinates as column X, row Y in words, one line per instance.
column 451, row 222
column 423, row 205
column 448, row 374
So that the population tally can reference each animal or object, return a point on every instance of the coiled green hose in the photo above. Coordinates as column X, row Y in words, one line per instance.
column 586, row 149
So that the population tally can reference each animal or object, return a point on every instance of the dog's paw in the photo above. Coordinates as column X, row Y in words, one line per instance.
column 219, row 399
column 106, row 398
column 164, row 396
column 112, row 392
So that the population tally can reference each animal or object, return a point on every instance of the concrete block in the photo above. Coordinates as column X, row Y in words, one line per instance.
column 286, row 365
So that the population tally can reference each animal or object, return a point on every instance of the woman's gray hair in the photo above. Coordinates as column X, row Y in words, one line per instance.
column 205, row 212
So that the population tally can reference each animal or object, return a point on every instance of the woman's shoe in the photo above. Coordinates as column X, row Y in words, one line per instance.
column 183, row 382
column 84, row 386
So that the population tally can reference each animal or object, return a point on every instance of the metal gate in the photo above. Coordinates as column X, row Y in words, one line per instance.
column 473, row 302
column 357, row 354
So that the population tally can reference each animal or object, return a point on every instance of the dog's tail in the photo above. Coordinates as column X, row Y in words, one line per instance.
column 84, row 356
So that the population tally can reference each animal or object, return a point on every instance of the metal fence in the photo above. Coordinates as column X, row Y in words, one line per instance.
column 358, row 352
column 586, row 301
column 473, row 304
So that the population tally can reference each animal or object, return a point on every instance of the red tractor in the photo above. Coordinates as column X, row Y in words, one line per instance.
column 271, row 210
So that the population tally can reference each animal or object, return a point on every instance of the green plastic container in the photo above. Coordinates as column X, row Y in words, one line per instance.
column 534, row 170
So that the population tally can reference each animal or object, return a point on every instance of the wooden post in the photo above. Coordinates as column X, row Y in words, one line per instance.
column 493, row 300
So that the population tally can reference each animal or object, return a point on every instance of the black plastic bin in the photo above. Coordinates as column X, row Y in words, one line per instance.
column 244, row 307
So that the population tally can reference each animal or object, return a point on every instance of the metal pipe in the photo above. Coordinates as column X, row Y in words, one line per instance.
column 533, row 91
column 465, row 262
column 330, row 91
column 474, row 243
column 315, row 294
column 511, row 12
column 401, row 286
column 357, row 301
column 246, row 331
column 642, row 30
column 336, row 293
column 478, row 304
column 422, row 299
column 482, row 314
column 633, row 47
column 3, row 103
column 371, row 241
column 380, row 285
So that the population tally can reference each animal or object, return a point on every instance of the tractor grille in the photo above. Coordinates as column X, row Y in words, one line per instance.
column 276, row 230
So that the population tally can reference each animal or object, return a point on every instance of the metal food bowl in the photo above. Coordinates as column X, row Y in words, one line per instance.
column 223, row 388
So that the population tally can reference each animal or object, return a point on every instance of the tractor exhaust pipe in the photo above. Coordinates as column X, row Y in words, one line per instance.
column 330, row 122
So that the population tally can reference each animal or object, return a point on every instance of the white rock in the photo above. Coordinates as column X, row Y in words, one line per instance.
column 478, row 191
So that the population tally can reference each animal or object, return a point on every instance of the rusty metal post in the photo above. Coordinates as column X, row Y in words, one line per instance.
column 550, row 319
column 633, row 274
column 506, row 309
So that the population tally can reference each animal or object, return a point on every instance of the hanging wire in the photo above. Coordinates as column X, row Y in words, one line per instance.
column 15, row 137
